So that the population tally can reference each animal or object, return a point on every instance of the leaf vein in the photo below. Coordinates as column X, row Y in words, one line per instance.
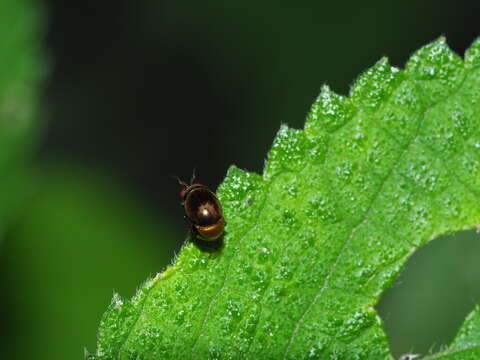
column 344, row 247
column 414, row 138
column 217, row 294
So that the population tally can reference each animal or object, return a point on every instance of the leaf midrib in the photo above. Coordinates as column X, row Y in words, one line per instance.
column 347, row 241
column 374, row 198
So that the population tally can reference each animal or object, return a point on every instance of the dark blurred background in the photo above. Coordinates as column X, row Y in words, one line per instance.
column 140, row 91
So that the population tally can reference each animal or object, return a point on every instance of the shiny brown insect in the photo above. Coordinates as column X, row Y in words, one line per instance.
column 202, row 210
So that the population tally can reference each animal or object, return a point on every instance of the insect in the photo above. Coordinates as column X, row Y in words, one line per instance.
column 202, row 210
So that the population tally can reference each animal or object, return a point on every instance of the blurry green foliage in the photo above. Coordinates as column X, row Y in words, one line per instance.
column 79, row 239
column 311, row 245
column 21, row 69
column 74, row 237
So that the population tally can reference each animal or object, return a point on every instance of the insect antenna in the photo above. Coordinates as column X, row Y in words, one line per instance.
column 179, row 181
column 192, row 179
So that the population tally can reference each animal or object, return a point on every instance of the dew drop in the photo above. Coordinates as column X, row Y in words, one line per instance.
column 306, row 239
column 260, row 280
column 233, row 310
column 344, row 171
column 179, row 317
column 263, row 255
column 321, row 208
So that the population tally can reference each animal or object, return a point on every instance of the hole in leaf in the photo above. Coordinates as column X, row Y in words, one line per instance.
column 428, row 303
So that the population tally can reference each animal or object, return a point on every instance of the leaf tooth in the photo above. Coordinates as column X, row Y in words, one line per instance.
column 289, row 152
column 87, row 355
column 241, row 195
column 112, row 328
column 329, row 112
column 375, row 85
column 238, row 183
column 472, row 55
column 435, row 61
column 115, row 307
column 117, row 301
column 438, row 71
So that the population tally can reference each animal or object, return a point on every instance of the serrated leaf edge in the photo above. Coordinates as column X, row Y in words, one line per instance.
column 172, row 269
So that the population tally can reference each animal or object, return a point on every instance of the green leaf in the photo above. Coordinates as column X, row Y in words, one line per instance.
column 311, row 245
column 466, row 345
column 21, row 67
